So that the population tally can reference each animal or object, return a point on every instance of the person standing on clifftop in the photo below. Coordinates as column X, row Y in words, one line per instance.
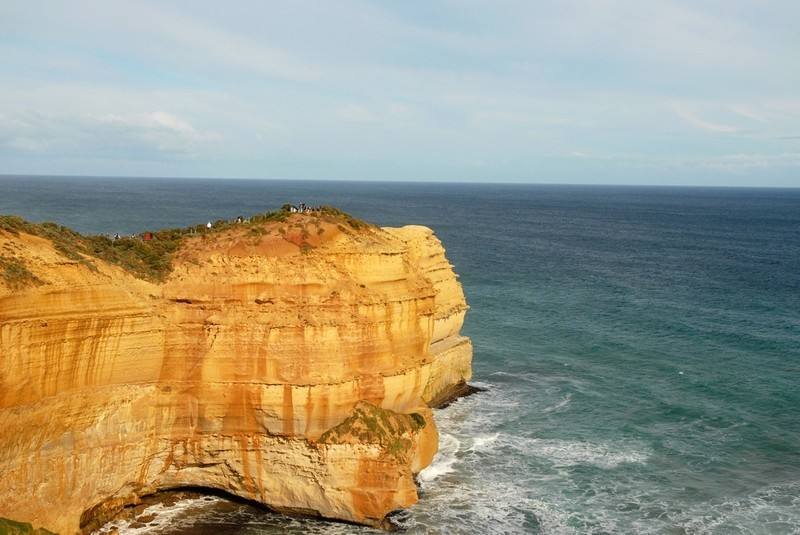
column 208, row 225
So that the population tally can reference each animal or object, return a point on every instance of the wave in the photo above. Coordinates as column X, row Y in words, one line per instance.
column 483, row 442
column 211, row 515
column 770, row 509
column 560, row 405
column 444, row 461
column 159, row 516
column 565, row 453
column 492, row 505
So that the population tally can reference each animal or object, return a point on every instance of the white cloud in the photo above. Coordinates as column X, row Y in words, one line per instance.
column 694, row 120
column 151, row 134
column 170, row 122
column 355, row 113
column 27, row 144
column 307, row 83
column 205, row 43
column 163, row 131
column 748, row 113
column 740, row 163
column 385, row 114
column 157, row 121
column 787, row 108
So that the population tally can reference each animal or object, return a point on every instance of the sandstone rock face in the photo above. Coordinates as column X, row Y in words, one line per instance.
column 290, row 363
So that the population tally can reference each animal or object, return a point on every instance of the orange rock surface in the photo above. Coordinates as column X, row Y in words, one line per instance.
column 290, row 363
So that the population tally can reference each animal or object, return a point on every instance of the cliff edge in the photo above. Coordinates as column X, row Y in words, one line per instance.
column 289, row 359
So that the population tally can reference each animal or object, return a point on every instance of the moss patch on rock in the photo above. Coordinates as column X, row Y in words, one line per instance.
column 369, row 424
column 12, row 527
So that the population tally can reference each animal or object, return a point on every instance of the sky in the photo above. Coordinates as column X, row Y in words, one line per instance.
column 701, row 92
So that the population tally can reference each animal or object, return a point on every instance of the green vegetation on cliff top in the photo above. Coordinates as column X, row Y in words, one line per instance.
column 146, row 259
column 16, row 273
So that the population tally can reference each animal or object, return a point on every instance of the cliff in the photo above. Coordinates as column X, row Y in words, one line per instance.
column 290, row 360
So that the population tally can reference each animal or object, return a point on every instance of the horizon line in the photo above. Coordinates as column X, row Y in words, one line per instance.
column 401, row 181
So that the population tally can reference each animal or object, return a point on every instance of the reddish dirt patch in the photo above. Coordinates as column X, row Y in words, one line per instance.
column 299, row 233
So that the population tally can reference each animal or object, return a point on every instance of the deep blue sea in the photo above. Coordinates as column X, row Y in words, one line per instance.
column 640, row 347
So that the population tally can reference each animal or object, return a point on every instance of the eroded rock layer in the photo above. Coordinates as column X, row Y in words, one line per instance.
column 290, row 363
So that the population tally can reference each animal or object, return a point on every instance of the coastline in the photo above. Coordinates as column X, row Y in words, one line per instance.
column 243, row 358
column 452, row 393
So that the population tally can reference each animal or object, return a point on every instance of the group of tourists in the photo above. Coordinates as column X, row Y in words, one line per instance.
column 303, row 208
column 119, row 236
column 240, row 219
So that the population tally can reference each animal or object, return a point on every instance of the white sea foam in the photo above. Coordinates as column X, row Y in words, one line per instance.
column 164, row 515
column 771, row 509
column 491, row 504
column 210, row 512
column 490, row 481
column 444, row 460
column 571, row 453
column 560, row 405
column 525, row 376
column 464, row 494
column 483, row 442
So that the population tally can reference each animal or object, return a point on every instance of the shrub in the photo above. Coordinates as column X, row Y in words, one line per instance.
column 16, row 273
column 152, row 259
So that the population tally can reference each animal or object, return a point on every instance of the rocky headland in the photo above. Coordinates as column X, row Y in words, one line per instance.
column 291, row 359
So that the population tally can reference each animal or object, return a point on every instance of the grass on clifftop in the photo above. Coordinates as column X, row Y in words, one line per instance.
column 16, row 273
column 150, row 260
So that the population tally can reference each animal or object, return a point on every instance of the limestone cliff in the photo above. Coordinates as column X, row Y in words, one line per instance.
column 290, row 362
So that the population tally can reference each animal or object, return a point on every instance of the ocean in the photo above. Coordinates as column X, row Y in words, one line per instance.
column 639, row 346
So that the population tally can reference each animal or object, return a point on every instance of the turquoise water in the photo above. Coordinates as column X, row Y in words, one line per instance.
column 640, row 347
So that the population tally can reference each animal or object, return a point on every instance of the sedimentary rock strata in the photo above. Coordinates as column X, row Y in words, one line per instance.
column 290, row 362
